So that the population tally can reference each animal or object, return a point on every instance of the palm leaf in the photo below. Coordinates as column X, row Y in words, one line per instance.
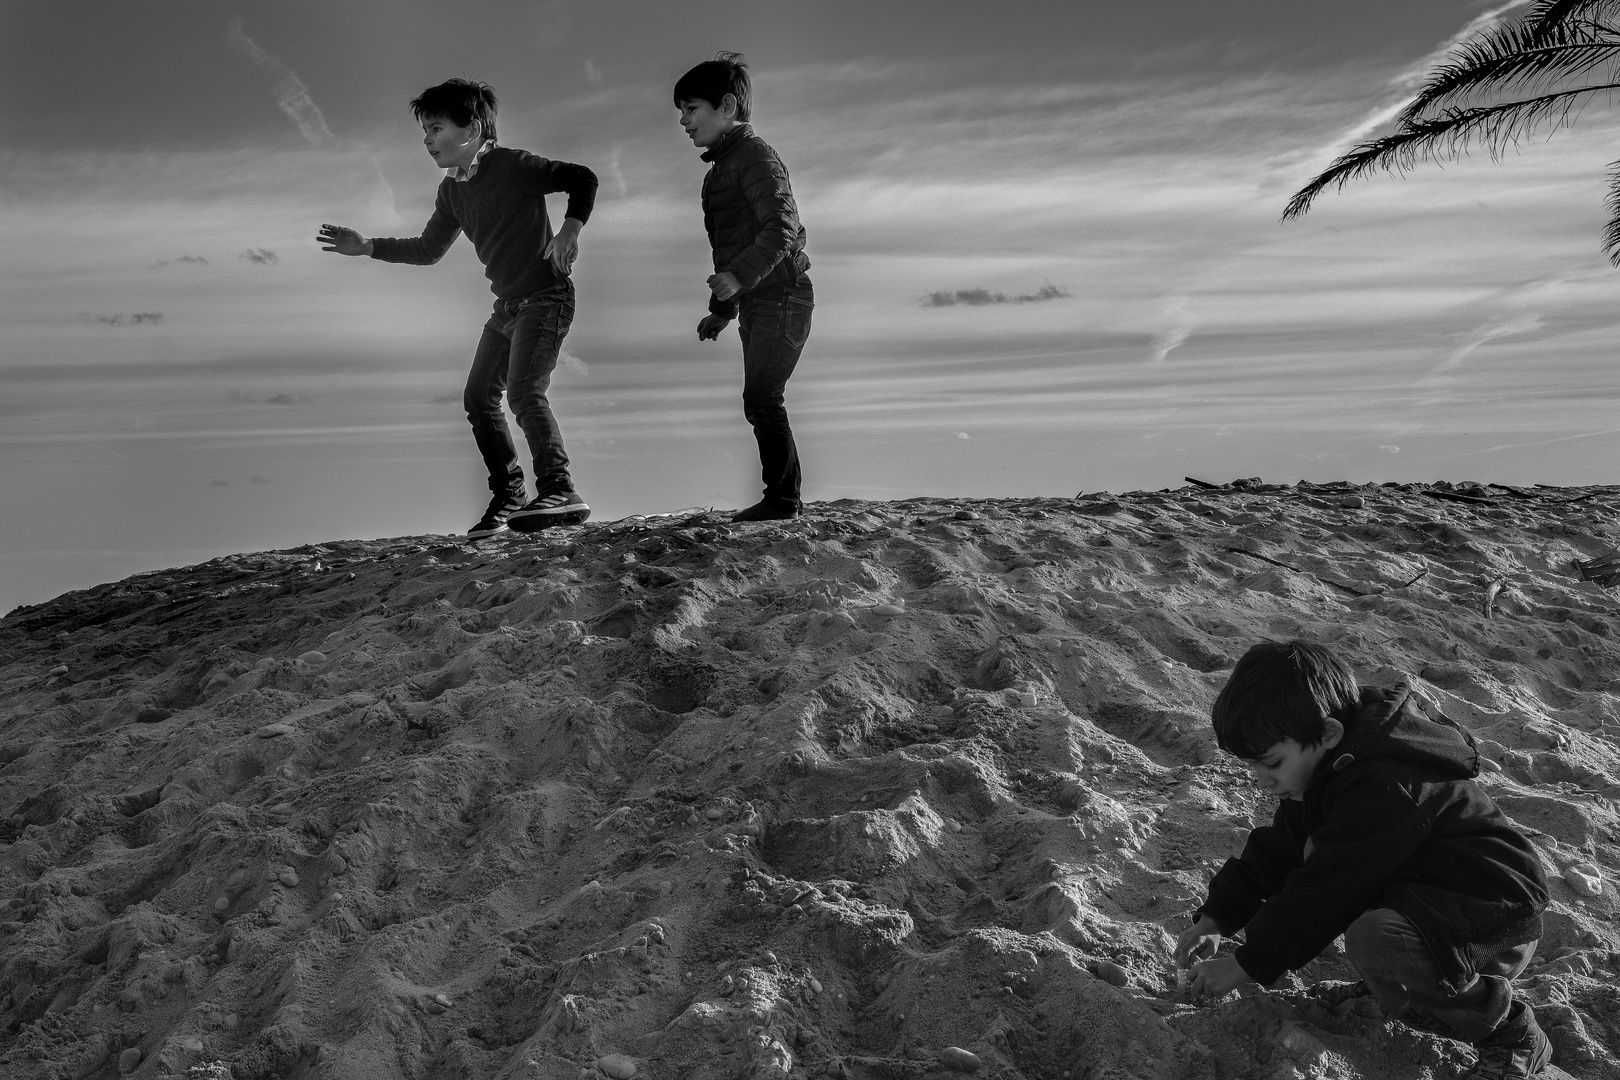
column 1444, row 136
column 1547, row 17
column 1611, row 231
column 1510, row 59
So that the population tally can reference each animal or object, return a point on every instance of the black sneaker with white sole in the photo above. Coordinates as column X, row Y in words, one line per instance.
column 501, row 506
column 549, row 511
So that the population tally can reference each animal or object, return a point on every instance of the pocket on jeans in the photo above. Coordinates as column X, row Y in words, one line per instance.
column 796, row 321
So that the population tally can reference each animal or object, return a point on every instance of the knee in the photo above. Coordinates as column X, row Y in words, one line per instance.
column 762, row 406
column 1368, row 940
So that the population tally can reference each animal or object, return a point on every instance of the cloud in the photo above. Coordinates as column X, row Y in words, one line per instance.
column 292, row 96
column 149, row 318
column 1520, row 324
column 983, row 297
column 593, row 73
column 262, row 256
column 1176, row 334
column 1389, row 448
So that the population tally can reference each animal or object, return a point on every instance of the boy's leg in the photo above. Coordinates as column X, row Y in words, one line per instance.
column 1392, row 957
column 774, row 327
column 486, row 381
column 537, row 336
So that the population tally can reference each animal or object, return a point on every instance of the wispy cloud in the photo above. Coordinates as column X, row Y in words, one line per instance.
column 261, row 256
column 292, row 96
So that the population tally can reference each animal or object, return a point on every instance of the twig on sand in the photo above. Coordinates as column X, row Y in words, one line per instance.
column 1200, row 483
column 1455, row 496
column 1351, row 589
column 1510, row 489
column 1421, row 574
column 1490, row 595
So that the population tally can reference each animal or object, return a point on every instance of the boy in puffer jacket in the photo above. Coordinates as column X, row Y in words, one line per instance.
column 1382, row 835
column 759, row 265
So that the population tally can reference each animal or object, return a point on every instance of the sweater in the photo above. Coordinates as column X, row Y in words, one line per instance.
column 1392, row 818
column 750, row 215
column 502, row 209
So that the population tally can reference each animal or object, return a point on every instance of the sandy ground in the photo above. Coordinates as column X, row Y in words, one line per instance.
column 845, row 796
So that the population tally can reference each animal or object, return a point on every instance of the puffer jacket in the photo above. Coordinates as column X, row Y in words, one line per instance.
column 1391, row 819
column 752, row 221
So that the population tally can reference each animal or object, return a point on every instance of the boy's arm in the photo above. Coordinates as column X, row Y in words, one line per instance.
column 437, row 236
column 547, row 177
column 770, row 198
column 1373, row 827
column 1243, row 884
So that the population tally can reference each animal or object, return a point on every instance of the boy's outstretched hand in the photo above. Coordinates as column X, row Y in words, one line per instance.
column 711, row 325
column 343, row 241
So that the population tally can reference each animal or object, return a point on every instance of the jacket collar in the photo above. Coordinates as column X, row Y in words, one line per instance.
column 731, row 141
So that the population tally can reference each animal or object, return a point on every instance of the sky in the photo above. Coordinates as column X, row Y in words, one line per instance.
column 1045, row 240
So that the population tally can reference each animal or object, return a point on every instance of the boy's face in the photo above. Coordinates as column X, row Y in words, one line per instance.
column 706, row 125
column 450, row 145
column 1286, row 768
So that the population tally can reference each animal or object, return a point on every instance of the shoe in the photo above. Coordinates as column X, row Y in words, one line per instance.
column 501, row 506
column 548, row 511
column 1517, row 1050
column 766, row 511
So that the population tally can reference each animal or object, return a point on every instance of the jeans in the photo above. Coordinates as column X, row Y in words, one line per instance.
column 774, row 324
column 516, row 356
column 1390, row 954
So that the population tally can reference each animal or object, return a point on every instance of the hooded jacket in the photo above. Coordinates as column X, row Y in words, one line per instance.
column 750, row 215
column 1392, row 818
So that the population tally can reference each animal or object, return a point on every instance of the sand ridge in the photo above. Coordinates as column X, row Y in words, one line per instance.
column 894, row 789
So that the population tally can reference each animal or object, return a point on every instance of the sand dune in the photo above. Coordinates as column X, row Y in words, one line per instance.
column 893, row 790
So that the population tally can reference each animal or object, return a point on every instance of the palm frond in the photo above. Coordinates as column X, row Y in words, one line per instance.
column 1548, row 17
column 1509, row 59
column 1444, row 136
column 1611, row 231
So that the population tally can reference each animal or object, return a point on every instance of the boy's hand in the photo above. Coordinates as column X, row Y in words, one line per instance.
column 1218, row 977
column 712, row 324
column 1198, row 941
column 564, row 246
column 724, row 285
column 343, row 241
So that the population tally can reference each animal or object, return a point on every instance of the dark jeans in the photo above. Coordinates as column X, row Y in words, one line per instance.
column 774, row 324
column 1390, row 954
column 516, row 356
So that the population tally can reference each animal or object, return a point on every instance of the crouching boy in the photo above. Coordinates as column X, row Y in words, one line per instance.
column 1382, row 835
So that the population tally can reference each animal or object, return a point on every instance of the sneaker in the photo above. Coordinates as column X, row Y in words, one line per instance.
column 501, row 505
column 548, row 511
column 766, row 511
column 1517, row 1050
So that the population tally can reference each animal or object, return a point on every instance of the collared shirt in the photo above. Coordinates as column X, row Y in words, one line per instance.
column 463, row 174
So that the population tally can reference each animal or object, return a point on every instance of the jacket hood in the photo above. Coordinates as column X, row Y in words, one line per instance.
column 1394, row 724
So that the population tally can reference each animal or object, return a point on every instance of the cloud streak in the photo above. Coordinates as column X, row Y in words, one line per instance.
column 292, row 96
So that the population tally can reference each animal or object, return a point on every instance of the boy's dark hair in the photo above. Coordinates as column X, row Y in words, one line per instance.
column 713, row 79
column 460, row 101
column 1282, row 690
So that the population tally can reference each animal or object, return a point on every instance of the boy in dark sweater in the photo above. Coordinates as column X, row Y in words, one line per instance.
column 1381, row 835
column 759, row 264
column 497, row 196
